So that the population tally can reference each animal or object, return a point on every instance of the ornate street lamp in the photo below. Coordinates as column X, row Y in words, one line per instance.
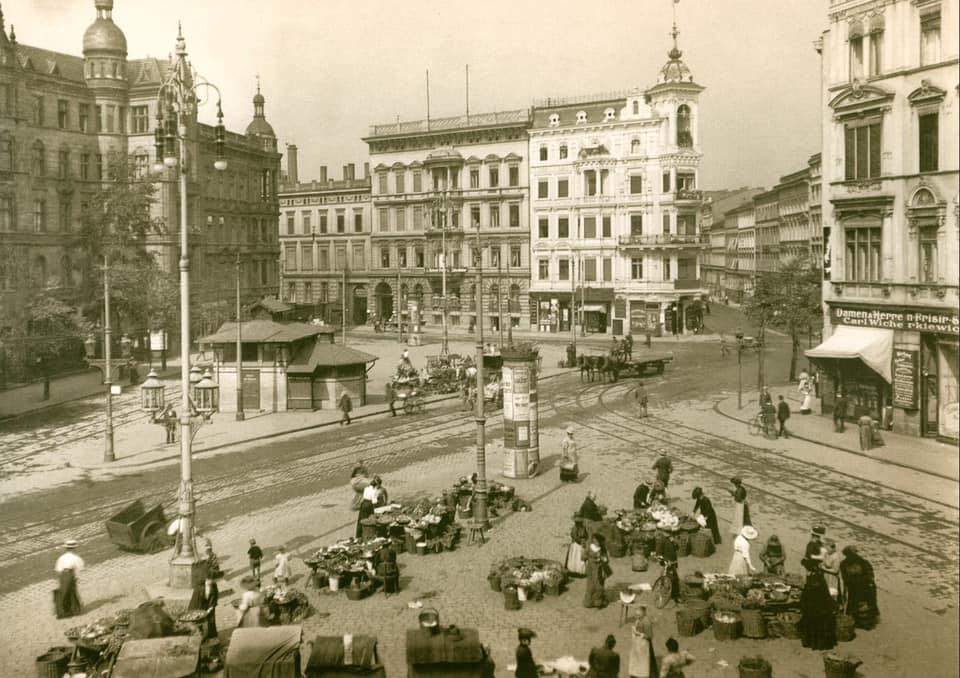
column 207, row 396
column 152, row 394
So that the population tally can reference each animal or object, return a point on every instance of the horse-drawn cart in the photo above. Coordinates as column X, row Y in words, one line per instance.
column 136, row 529
column 612, row 366
column 410, row 397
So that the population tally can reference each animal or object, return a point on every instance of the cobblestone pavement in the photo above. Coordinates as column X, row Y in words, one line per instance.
column 901, row 529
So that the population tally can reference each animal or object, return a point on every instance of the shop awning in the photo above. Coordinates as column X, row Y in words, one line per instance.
column 594, row 308
column 872, row 346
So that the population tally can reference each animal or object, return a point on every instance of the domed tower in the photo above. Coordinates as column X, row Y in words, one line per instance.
column 105, row 51
column 259, row 128
column 676, row 97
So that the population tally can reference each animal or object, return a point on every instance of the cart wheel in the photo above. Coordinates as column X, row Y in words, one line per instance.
column 662, row 590
column 408, row 406
column 153, row 539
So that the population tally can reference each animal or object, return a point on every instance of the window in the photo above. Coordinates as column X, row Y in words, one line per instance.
column 306, row 257
column 63, row 164
column 63, row 113
column 39, row 160
column 862, row 151
column 6, row 98
column 358, row 222
column 99, row 113
column 85, row 166
column 83, row 116
column 607, row 227
column 308, row 292
column 863, row 254
column 341, row 255
column 323, row 222
column 876, row 53
column 418, row 257
column 513, row 175
column 341, row 221
column 515, row 260
column 686, row 182
column 402, row 257
column 358, row 263
column 636, row 224
column 609, row 114
column 930, row 38
column 494, row 215
column 543, row 189
column 292, row 292
column 636, row 268
column 543, row 153
column 474, row 216
column 98, row 175
column 39, row 216
column 635, row 147
column 476, row 256
column 666, row 224
column 929, row 125
column 383, row 217
column 6, row 154
column 291, row 224
column 474, row 178
column 590, row 269
column 543, row 269
column 563, row 269
column 7, row 214
column 141, row 165
column 666, row 182
column 563, row 152
column 514, row 215
column 686, row 269
column 563, row 188
column 401, row 218
column 454, row 180
column 495, row 256
column 589, row 227
column 122, row 120
column 607, row 269
column 554, row 119
column 384, row 257
column 494, row 177
column 636, row 107
column 856, row 56
column 382, row 183
column 307, row 225
column 687, row 224
column 141, row 119
column 590, row 182
column 38, row 111
column 399, row 182
column 666, row 269
column 543, row 227
column 928, row 254
column 684, row 136
column 563, row 227
column 323, row 259
column 636, row 183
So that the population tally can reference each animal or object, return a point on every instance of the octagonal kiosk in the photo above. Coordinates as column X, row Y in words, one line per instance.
column 521, row 412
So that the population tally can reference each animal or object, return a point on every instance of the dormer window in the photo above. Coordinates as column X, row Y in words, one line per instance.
column 554, row 119
column 581, row 117
column 636, row 107
column 609, row 114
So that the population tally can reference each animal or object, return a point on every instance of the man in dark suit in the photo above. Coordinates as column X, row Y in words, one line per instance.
column 205, row 597
column 839, row 412
column 783, row 413
column 604, row 662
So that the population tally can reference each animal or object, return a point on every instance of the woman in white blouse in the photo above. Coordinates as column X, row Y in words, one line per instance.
column 740, row 563
column 250, row 612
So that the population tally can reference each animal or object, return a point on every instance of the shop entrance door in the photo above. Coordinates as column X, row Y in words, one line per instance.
column 251, row 390
column 930, row 403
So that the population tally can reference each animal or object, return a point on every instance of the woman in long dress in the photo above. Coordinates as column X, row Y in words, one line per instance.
column 704, row 507
column 575, row 554
column 860, row 588
column 598, row 569
column 741, row 509
column 740, row 563
column 818, row 624
column 371, row 495
column 773, row 556
column 250, row 612
column 830, row 564
column 643, row 663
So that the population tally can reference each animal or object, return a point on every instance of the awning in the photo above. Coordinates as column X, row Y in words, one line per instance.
column 594, row 308
column 873, row 346
column 172, row 657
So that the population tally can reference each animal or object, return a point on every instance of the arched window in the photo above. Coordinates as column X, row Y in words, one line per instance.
column 684, row 138
column 39, row 273
column 494, row 296
column 39, row 166
column 635, row 146
column 636, row 107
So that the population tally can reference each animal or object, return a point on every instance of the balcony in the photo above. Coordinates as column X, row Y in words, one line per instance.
column 688, row 194
column 687, row 284
column 908, row 294
column 663, row 240
column 452, row 270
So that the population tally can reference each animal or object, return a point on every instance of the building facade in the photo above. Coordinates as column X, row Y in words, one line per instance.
column 325, row 228
column 63, row 116
column 615, row 241
column 890, row 207
column 451, row 193
column 721, row 254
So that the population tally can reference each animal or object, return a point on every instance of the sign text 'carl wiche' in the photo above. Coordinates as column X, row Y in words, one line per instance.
column 897, row 318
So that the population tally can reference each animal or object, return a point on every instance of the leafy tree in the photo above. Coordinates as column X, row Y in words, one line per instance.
column 789, row 300
column 54, row 334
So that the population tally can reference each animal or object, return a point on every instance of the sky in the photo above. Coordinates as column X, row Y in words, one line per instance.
column 331, row 68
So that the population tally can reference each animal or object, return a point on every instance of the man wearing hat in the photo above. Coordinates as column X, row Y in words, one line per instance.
column 526, row 667
column 703, row 506
column 66, row 598
column 814, row 549
column 663, row 467
column 605, row 661
column 569, row 460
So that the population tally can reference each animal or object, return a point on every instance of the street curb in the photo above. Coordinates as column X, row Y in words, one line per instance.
column 716, row 408
column 275, row 434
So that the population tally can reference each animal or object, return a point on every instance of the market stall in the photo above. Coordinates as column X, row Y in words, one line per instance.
column 346, row 656
column 527, row 579
column 627, row 531
column 349, row 565
column 500, row 498
column 174, row 657
column 257, row 652
column 449, row 652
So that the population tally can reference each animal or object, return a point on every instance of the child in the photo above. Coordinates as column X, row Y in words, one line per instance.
column 255, row 553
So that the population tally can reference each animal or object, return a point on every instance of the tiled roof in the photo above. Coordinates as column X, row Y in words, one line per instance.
column 264, row 331
column 48, row 62
column 273, row 305
column 148, row 71
column 310, row 358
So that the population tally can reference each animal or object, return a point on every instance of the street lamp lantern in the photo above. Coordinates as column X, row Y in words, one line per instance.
column 151, row 394
column 196, row 374
column 207, row 395
column 220, row 164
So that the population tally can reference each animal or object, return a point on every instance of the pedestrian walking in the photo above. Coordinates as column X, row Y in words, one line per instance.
column 282, row 571
column 643, row 663
column 648, row 340
column 839, row 411
column 598, row 569
column 724, row 349
column 629, row 344
column 346, row 405
column 741, row 564
column 741, row 509
column 663, row 467
column 704, row 507
column 169, row 418
column 575, row 558
column 255, row 555
column 604, row 661
column 391, row 397
column 569, row 459
column 783, row 413
column 640, row 395
column 526, row 667
column 673, row 662
column 66, row 598
column 773, row 556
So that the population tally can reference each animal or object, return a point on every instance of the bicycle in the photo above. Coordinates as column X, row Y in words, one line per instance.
column 760, row 423
column 663, row 585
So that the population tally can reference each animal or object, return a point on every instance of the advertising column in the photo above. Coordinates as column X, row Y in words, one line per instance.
column 414, row 338
column 521, row 413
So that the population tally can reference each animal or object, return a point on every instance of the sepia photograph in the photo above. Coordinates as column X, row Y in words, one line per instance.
column 346, row 338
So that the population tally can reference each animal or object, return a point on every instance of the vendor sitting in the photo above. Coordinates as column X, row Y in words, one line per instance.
column 773, row 556
column 589, row 509
column 641, row 496
column 658, row 493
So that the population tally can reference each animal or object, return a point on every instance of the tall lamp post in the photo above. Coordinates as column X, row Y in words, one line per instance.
column 739, row 369
column 108, row 454
column 480, row 508
column 440, row 207
column 235, row 255
column 177, row 101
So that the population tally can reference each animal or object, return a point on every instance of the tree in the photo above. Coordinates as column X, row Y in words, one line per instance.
column 788, row 299
column 53, row 336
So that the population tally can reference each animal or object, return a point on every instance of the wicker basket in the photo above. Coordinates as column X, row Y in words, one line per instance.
column 755, row 667
column 683, row 544
column 840, row 667
column 511, row 601
column 845, row 628
column 703, row 608
column 494, row 579
column 788, row 624
column 639, row 563
column 688, row 622
column 701, row 544
column 754, row 625
column 774, row 627
column 723, row 630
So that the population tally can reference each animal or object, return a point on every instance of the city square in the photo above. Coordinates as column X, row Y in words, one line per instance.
column 571, row 385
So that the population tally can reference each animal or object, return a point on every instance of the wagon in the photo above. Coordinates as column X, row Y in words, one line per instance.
column 136, row 529
column 411, row 399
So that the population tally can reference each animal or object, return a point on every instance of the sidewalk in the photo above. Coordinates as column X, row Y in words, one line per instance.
column 917, row 454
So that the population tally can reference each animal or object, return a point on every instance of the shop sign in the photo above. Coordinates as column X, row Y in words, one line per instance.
column 905, row 370
column 158, row 340
column 943, row 321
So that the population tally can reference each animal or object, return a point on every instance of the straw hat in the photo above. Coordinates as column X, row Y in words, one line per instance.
column 570, row 430
column 70, row 544
column 749, row 532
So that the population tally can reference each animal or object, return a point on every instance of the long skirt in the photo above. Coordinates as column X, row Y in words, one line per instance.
column 738, row 565
column 714, row 527
column 252, row 618
column 574, row 560
column 595, row 596
column 819, row 632
column 643, row 664
column 67, row 598
column 806, row 407
column 366, row 510
column 741, row 517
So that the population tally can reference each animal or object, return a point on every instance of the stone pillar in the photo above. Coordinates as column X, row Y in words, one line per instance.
column 521, row 414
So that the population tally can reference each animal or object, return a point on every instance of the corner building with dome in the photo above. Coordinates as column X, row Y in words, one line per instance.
column 63, row 116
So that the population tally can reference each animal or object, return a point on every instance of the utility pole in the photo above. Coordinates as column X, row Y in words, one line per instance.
column 573, row 300
column 108, row 454
column 480, row 509
column 583, row 327
column 343, row 306
column 399, row 294
column 499, row 303
column 240, row 414
column 441, row 213
column 509, row 308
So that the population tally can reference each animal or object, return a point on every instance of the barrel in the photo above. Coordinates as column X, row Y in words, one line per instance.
column 845, row 628
column 511, row 600
column 53, row 662
column 683, row 543
column 726, row 630
column 703, row 608
column 840, row 667
column 411, row 543
column 688, row 622
column 368, row 529
column 755, row 667
column 754, row 625
column 421, row 548
column 701, row 544
column 639, row 562
column 788, row 624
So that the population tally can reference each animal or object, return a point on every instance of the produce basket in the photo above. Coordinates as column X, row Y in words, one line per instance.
column 689, row 622
column 693, row 587
column 701, row 544
column 726, row 626
column 839, row 666
column 754, row 625
column 683, row 544
column 774, row 627
column 845, row 628
column 639, row 563
column 511, row 600
column 703, row 608
column 494, row 579
column 755, row 667
column 788, row 624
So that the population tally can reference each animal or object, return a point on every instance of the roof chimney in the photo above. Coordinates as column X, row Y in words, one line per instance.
column 292, row 164
column 344, row 171
column 366, row 170
column 323, row 174
column 351, row 171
